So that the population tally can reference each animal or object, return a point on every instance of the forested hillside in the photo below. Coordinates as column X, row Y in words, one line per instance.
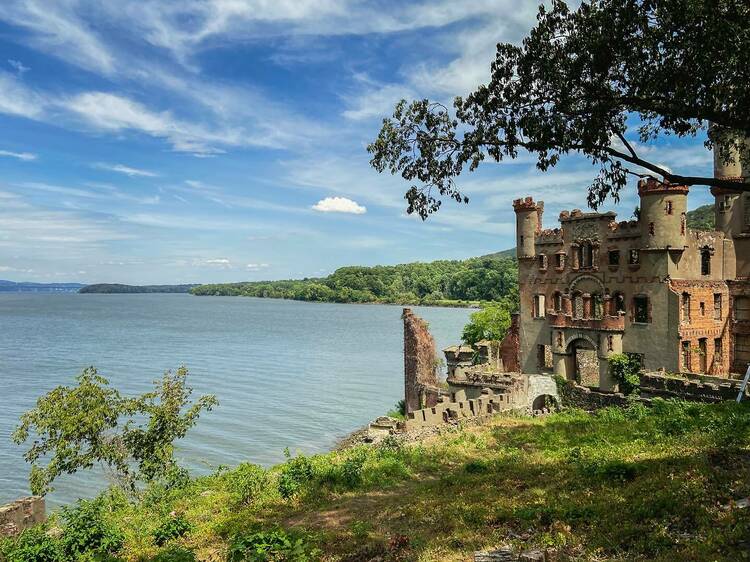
column 702, row 218
column 438, row 282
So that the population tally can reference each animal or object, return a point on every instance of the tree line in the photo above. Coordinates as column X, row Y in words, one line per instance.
column 438, row 282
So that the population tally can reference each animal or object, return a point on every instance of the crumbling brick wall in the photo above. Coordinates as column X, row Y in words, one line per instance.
column 510, row 347
column 420, row 364
column 20, row 515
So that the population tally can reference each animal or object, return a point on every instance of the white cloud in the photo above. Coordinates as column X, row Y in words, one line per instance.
column 17, row 99
column 256, row 266
column 339, row 205
column 57, row 28
column 377, row 100
column 18, row 66
column 127, row 170
column 25, row 156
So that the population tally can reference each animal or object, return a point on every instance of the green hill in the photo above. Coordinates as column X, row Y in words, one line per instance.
column 118, row 288
column 443, row 282
column 702, row 218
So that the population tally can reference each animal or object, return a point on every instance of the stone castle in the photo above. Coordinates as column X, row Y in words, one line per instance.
column 675, row 298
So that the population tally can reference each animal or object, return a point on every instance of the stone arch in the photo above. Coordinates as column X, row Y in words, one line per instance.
column 582, row 279
column 543, row 401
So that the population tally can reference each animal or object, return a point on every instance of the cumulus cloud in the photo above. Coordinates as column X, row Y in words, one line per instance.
column 339, row 205
column 25, row 156
column 127, row 170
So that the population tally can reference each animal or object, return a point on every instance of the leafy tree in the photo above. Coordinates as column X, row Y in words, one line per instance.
column 625, row 370
column 75, row 427
column 577, row 84
column 489, row 323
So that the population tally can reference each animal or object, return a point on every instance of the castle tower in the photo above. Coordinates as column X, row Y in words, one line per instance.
column 528, row 225
column 663, row 214
column 729, row 206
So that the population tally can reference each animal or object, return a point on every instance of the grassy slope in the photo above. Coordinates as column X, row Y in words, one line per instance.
column 617, row 485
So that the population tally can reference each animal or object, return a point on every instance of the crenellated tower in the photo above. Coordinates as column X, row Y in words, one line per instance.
column 528, row 225
column 663, row 216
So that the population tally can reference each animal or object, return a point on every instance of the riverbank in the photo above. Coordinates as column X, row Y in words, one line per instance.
column 621, row 484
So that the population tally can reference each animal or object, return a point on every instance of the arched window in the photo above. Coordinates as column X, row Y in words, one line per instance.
column 597, row 306
column 705, row 261
column 585, row 255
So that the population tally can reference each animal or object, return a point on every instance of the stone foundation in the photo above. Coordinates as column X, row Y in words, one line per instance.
column 20, row 515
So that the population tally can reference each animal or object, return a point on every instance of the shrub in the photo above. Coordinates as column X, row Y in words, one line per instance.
column 275, row 545
column 247, row 483
column 625, row 369
column 351, row 469
column 477, row 467
column 32, row 545
column 87, row 533
column 295, row 474
column 399, row 411
column 172, row 528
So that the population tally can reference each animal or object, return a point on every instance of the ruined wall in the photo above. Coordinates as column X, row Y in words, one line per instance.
column 510, row 347
column 420, row 366
column 693, row 390
column 20, row 515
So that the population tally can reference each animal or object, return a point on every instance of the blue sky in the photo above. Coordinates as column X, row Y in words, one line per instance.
column 152, row 141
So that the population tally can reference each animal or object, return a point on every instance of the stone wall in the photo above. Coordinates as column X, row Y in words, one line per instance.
column 454, row 412
column 20, row 515
column 586, row 398
column 420, row 364
column 695, row 390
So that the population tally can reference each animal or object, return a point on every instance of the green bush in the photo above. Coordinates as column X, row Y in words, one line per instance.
column 87, row 533
column 295, row 474
column 265, row 546
column 625, row 370
column 247, row 483
column 172, row 528
column 33, row 545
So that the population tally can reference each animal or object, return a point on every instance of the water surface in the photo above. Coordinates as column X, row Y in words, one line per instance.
column 286, row 373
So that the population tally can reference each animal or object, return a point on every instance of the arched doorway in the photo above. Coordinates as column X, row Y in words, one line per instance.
column 544, row 402
column 584, row 362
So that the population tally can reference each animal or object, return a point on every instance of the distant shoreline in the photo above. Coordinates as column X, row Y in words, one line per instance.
column 120, row 289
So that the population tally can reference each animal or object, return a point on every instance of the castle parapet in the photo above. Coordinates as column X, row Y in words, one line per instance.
column 649, row 186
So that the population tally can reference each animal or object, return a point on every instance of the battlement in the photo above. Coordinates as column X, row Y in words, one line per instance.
column 652, row 186
column 577, row 214
column 624, row 228
column 549, row 235
column 527, row 204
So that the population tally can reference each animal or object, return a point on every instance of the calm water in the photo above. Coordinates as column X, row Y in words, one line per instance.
column 287, row 374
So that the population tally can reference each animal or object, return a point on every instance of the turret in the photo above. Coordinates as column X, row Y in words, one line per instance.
column 528, row 225
column 663, row 214
column 729, row 205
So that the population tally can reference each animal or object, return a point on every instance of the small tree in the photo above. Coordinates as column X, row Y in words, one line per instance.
column 625, row 369
column 489, row 323
column 92, row 423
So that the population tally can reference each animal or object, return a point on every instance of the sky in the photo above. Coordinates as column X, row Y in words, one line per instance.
column 152, row 141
